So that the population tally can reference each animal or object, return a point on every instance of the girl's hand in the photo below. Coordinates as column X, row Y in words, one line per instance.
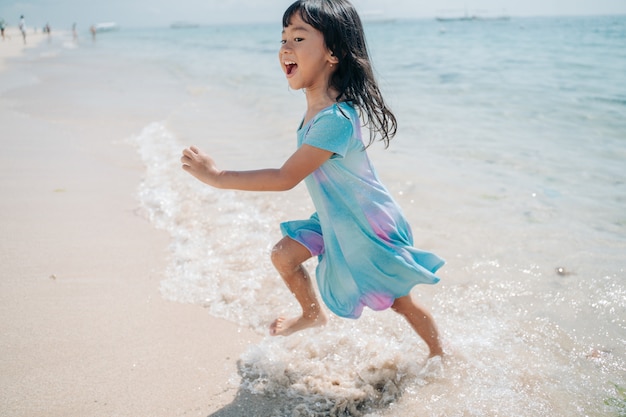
column 200, row 165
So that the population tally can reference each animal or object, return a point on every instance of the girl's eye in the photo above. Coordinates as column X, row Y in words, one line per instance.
column 284, row 41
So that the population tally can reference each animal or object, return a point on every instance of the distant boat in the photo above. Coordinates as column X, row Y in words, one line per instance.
column 466, row 17
column 106, row 27
column 183, row 25
column 470, row 18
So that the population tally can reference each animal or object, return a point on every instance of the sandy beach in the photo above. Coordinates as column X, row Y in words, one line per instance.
column 13, row 44
column 85, row 331
column 128, row 288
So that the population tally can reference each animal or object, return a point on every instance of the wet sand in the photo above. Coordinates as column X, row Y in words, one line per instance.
column 85, row 331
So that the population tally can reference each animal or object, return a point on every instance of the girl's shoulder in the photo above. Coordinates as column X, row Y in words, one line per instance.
column 343, row 109
column 334, row 128
column 340, row 112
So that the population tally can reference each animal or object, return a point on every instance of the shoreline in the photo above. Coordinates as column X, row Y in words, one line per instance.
column 85, row 328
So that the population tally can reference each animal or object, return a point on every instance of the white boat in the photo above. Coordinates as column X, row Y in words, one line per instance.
column 471, row 17
column 106, row 27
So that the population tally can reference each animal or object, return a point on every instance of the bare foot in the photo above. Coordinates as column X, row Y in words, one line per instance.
column 432, row 368
column 284, row 327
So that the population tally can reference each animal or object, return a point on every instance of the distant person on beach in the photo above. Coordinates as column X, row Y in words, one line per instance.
column 22, row 27
column 2, row 27
column 74, row 33
column 92, row 29
column 362, row 240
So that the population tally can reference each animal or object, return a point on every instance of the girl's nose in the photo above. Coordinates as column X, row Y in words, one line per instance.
column 282, row 51
column 284, row 48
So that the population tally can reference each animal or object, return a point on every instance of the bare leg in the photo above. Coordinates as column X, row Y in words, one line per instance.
column 287, row 257
column 421, row 321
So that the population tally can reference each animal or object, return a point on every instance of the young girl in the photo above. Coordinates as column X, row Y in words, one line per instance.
column 361, row 238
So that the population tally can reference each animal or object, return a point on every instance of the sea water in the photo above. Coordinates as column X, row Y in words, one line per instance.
column 510, row 163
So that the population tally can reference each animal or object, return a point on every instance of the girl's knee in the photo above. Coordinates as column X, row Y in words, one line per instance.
column 282, row 257
column 277, row 255
column 288, row 254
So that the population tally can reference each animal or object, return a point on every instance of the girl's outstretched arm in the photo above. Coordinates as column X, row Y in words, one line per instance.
column 302, row 163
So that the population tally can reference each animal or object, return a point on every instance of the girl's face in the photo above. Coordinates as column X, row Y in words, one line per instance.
column 304, row 57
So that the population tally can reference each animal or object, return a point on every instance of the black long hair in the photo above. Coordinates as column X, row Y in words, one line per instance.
column 339, row 23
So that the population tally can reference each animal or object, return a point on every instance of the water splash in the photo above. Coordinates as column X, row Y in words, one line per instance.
column 511, row 349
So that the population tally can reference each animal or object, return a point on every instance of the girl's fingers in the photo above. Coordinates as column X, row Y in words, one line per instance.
column 187, row 158
column 189, row 155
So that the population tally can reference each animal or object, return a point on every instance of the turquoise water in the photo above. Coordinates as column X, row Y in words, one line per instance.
column 510, row 162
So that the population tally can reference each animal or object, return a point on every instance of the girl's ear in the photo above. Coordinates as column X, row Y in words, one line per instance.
column 332, row 58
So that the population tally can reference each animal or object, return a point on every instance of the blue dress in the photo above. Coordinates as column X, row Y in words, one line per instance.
column 363, row 242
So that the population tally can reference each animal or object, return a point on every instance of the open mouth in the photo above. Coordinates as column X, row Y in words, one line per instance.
column 290, row 67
